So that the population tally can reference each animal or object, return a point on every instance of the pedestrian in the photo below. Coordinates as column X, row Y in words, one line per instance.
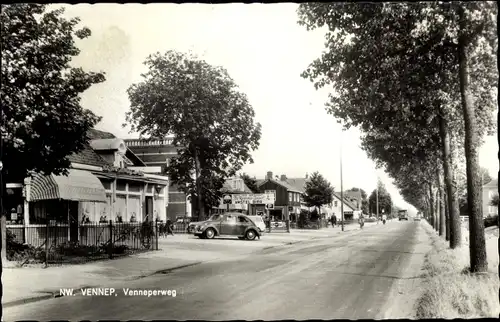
column 170, row 228
column 334, row 220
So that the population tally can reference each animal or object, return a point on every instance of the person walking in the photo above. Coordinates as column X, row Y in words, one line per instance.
column 170, row 228
column 334, row 220
column 384, row 218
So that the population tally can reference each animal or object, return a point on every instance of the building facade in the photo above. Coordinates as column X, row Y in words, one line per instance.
column 288, row 199
column 156, row 154
column 99, row 187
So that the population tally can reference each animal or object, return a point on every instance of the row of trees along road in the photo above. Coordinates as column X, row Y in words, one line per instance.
column 210, row 118
column 42, row 121
column 420, row 81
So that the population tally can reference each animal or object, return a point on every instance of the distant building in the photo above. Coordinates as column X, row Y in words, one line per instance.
column 489, row 191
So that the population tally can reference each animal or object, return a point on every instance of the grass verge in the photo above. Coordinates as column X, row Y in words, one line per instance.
column 449, row 291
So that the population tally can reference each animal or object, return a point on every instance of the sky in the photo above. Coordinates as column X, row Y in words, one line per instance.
column 264, row 50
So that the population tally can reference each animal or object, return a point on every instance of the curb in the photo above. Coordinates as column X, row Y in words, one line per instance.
column 28, row 300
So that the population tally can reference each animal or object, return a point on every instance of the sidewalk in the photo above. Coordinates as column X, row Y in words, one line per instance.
column 28, row 284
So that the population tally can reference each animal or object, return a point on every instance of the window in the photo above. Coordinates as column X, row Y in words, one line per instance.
column 290, row 195
column 120, row 209
column 103, row 209
column 216, row 217
column 336, row 203
column 230, row 219
column 134, row 187
column 242, row 220
column 120, row 185
column 134, row 208
column 160, row 211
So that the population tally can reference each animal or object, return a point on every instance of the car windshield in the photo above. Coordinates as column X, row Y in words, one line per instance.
column 216, row 217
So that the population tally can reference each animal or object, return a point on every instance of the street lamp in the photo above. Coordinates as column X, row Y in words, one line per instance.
column 341, row 181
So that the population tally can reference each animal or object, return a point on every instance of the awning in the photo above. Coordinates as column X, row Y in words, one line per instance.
column 79, row 185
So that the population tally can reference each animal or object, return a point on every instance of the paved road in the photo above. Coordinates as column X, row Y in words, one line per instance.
column 349, row 276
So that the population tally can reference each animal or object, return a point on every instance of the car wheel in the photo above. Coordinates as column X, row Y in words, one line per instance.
column 209, row 233
column 250, row 235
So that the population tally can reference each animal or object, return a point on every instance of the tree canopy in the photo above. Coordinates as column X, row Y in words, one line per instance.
column 384, row 200
column 250, row 182
column 318, row 191
column 210, row 118
column 42, row 120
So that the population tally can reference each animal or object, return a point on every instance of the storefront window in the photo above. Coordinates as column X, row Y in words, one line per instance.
column 104, row 209
column 121, row 208
column 120, row 185
column 160, row 210
column 134, row 187
column 134, row 208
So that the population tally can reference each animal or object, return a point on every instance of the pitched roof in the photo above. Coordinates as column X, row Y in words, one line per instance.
column 353, row 194
column 492, row 183
column 281, row 183
column 94, row 134
column 346, row 202
column 298, row 183
column 88, row 156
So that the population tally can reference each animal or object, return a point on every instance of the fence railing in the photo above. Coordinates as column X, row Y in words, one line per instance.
column 63, row 243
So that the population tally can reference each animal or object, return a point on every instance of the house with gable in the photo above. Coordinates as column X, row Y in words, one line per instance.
column 288, row 197
column 100, row 187
column 233, row 186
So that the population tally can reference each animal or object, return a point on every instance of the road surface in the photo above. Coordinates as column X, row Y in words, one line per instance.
column 350, row 276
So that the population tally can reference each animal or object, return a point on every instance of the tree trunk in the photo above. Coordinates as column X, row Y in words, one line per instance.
column 199, row 192
column 477, row 246
column 431, row 205
column 438, row 208
column 447, row 214
column 455, row 235
column 442, row 220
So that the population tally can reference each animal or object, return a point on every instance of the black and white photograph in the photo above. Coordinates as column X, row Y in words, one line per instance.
column 249, row 161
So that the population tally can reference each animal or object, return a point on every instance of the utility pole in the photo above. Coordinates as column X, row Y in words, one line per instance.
column 376, row 193
column 341, row 182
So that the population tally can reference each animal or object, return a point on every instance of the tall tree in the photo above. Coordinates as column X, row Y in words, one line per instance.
column 211, row 119
column 250, row 182
column 42, row 121
column 318, row 191
column 384, row 200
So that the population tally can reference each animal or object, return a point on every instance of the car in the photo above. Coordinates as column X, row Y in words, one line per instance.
column 228, row 224
column 403, row 215
column 259, row 222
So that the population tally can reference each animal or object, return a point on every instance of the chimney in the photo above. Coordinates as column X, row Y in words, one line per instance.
column 307, row 175
column 283, row 177
column 269, row 175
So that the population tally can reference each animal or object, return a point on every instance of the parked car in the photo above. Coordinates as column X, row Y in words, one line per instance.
column 259, row 222
column 228, row 224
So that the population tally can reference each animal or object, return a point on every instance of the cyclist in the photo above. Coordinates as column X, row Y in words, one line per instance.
column 361, row 221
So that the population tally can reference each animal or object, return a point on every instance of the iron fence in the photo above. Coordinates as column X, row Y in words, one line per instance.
column 54, row 244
